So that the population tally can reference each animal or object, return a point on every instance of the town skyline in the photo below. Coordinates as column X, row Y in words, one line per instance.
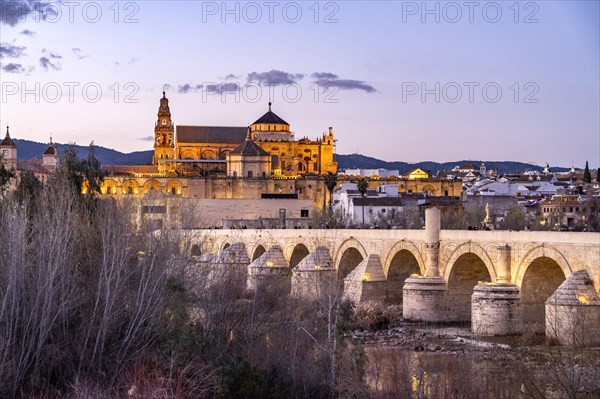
column 411, row 85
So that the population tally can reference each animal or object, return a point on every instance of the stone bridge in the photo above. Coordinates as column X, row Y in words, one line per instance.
column 497, row 280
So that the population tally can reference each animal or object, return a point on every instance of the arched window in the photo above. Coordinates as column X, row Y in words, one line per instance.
column 250, row 174
column 274, row 162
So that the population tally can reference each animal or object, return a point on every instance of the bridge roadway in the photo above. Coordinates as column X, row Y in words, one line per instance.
column 533, row 264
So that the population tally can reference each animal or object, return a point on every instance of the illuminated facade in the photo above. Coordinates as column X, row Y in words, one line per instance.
column 204, row 150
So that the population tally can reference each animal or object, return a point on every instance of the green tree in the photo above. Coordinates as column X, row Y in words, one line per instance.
column 514, row 219
column 331, row 180
column 77, row 171
column 5, row 175
column 28, row 189
column 71, row 170
column 94, row 175
column 362, row 187
column 587, row 176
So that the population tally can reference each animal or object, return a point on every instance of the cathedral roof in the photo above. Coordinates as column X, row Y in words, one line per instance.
column 271, row 118
column 7, row 142
column 249, row 148
column 211, row 134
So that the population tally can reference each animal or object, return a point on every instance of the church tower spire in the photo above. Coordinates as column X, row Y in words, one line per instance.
column 164, row 132
column 8, row 151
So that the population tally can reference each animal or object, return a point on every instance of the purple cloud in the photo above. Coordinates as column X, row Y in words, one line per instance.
column 274, row 77
column 11, row 51
column 47, row 64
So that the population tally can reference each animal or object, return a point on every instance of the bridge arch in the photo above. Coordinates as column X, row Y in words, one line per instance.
column 539, row 274
column 404, row 246
column 347, row 255
column 403, row 264
column 467, row 248
column 257, row 252
column 196, row 250
column 541, row 251
column 298, row 252
column 464, row 273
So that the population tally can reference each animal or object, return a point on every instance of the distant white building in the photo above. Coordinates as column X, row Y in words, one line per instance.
column 373, row 207
column 349, row 202
column 371, row 172
column 505, row 187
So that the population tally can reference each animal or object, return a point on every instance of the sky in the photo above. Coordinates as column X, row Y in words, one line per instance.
column 397, row 80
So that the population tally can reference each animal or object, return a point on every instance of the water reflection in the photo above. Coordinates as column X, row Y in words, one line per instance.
column 402, row 373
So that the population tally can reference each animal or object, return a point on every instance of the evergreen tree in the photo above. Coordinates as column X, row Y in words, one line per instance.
column 81, row 172
column 330, row 182
column 587, row 176
column 5, row 175
column 94, row 175
column 362, row 187
column 28, row 189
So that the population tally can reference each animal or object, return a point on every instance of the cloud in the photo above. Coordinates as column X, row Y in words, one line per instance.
column 79, row 54
column 47, row 64
column 187, row 88
column 220, row 88
column 10, row 51
column 13, row 68
column 324, row 75
column 131, row 61
column 328, row 80
column 13, row 12
column 28, row 32
column 147, row 138
column 51, row 54
column 274, row 77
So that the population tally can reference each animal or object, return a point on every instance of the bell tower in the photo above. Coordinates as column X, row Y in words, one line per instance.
column 164, row 133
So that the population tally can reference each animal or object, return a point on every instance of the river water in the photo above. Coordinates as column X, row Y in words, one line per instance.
column 447, row 362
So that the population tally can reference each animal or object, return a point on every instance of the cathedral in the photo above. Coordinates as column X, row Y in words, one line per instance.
column 266, row 148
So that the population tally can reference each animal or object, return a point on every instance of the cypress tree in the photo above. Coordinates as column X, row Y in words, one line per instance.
column 587, row 176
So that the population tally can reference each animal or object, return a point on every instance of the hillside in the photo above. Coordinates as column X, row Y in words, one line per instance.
column 30, row 149
column 365, row 162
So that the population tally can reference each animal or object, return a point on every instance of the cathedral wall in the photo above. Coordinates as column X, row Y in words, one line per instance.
column 210, row 212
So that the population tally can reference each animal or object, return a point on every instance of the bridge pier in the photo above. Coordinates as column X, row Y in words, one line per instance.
column 315, row 276
column 424, row 297
column 573, row 312
column 269, row 270
column 367, row 282
column 496, row 307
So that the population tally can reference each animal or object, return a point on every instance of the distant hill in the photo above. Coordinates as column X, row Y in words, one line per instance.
column 364, row 162
column 30, row 149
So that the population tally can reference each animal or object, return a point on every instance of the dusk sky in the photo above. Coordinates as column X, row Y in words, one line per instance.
column 408, row 81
